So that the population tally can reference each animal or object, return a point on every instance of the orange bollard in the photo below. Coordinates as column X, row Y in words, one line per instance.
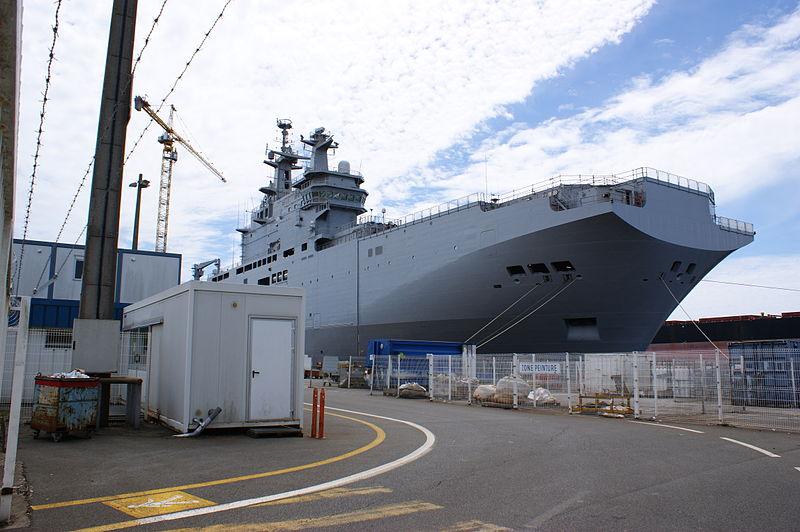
column 321, row 433
column 314, row 414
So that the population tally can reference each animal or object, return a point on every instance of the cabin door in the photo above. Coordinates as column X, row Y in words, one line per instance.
column 271, row 363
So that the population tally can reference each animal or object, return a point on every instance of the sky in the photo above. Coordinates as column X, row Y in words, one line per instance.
column 432, row 101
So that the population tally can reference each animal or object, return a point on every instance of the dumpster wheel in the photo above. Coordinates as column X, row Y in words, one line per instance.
column 57, row 436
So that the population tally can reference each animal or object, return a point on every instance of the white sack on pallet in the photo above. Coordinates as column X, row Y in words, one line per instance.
column 541, row 396
column 412, row 390
column 505, row 389
column 484, row 392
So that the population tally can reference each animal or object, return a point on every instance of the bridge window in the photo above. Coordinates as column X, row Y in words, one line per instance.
column 289, row 252
column 264, row 281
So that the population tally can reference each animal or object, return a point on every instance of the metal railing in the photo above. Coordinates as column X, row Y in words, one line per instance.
column 735, row 226
column 760, row 391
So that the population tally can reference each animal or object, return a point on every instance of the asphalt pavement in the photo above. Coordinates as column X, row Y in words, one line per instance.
column 488, row 469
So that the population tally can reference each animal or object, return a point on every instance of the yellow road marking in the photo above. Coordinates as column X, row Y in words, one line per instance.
column 475, row 526
column 158, row 504
column 381, row 512
column 380, row 436
column 335, row 493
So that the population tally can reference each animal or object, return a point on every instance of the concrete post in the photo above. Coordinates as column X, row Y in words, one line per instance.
column 92, row 352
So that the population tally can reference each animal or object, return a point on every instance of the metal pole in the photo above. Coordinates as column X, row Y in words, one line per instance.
column 569, row 383
column 389, row 372
column 449, row 377
column 794, row 386
column 702, row 385
column 373, row 373
column 655, row 387
column 514, row 366
column 398, row 376
column 719, row 386
column 349, row 370
column 140, row 184
column 17, row 386
column 533, row 386
column 430, row 377
column 636, row 411
column 469, row 379
column 494, row 371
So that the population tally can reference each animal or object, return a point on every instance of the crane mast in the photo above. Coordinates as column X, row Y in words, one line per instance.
column 168, row 158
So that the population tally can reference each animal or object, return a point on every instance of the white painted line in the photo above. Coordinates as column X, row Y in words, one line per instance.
column 666, row 426
column 430, row 439
column 759, row 449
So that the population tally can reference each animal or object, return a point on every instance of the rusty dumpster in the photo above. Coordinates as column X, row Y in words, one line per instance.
column 65, row 406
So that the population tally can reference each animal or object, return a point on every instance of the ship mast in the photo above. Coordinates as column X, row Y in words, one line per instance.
column 283, row 161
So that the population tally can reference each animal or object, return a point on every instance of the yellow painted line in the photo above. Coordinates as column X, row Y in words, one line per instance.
column 335, row 493
column 474, row 526
column 161, row 503
column 361, row 516
column 380, row 436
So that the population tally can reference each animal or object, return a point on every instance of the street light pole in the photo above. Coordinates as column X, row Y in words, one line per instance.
column 139, row 185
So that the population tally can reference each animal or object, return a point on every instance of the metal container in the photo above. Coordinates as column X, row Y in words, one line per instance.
column 233, row 346
column 65, row 406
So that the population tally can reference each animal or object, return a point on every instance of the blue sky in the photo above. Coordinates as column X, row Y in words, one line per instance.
column 419, row 93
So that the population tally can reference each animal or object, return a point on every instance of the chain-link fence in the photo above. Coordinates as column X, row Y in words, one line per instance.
column 50, row 351
column 754, row 386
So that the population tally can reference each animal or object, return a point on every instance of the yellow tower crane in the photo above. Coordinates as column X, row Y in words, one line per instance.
column 168, row 158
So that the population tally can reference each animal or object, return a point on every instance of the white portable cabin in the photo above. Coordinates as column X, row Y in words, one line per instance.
column 233, row 346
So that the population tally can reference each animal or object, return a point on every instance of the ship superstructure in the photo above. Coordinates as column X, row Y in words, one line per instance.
column 575, row 263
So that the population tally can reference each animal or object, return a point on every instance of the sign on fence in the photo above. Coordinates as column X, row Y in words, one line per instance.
column 530, row 368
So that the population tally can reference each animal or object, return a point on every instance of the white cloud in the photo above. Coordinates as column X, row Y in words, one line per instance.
column 396, row 82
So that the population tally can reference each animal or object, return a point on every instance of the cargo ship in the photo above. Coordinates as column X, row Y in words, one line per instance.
column 583, row 263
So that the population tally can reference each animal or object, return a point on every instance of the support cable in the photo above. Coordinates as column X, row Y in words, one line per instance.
column 526, row 316
column 40, row 132
column 178, row 79
column 752, row 285
column 82, row 182
column 523, row 296
column 687, row 314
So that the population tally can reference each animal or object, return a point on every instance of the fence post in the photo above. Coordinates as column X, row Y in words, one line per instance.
column 17, row 386
column 430, row 376
column 373, row 373
column 494, row 371
column 655, row 386
column 398, row 376
column 469, row 380
column 349, row 370
column 636, row 385
column 389, row 372
column 514, row 368
column 569, row 383
column 314, row 402
column 794, row 386
column 742, row 384
column 702, row 385
column 719, row 386
column 449, row 377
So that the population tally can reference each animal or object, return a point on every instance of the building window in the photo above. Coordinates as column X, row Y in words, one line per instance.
column 78, row 268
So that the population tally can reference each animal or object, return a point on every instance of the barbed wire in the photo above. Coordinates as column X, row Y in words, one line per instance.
column 177, row 80
column 86, row 173
column 40, row 132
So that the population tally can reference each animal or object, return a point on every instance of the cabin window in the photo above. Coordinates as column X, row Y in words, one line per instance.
column 369, row 252
column 264, row 281
column 248, row 267
column 563, row 266
column 304, row 247
column 280, row 276
column 289, row 252
column 379, row 250
column 239, row 270
column 539, row 267
column 285, row 275
column 78, row 268
column 227, row 274
column 690, row 268
column 245, row 281
column 515, row 270
column 675, row 266
column 269, row 259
